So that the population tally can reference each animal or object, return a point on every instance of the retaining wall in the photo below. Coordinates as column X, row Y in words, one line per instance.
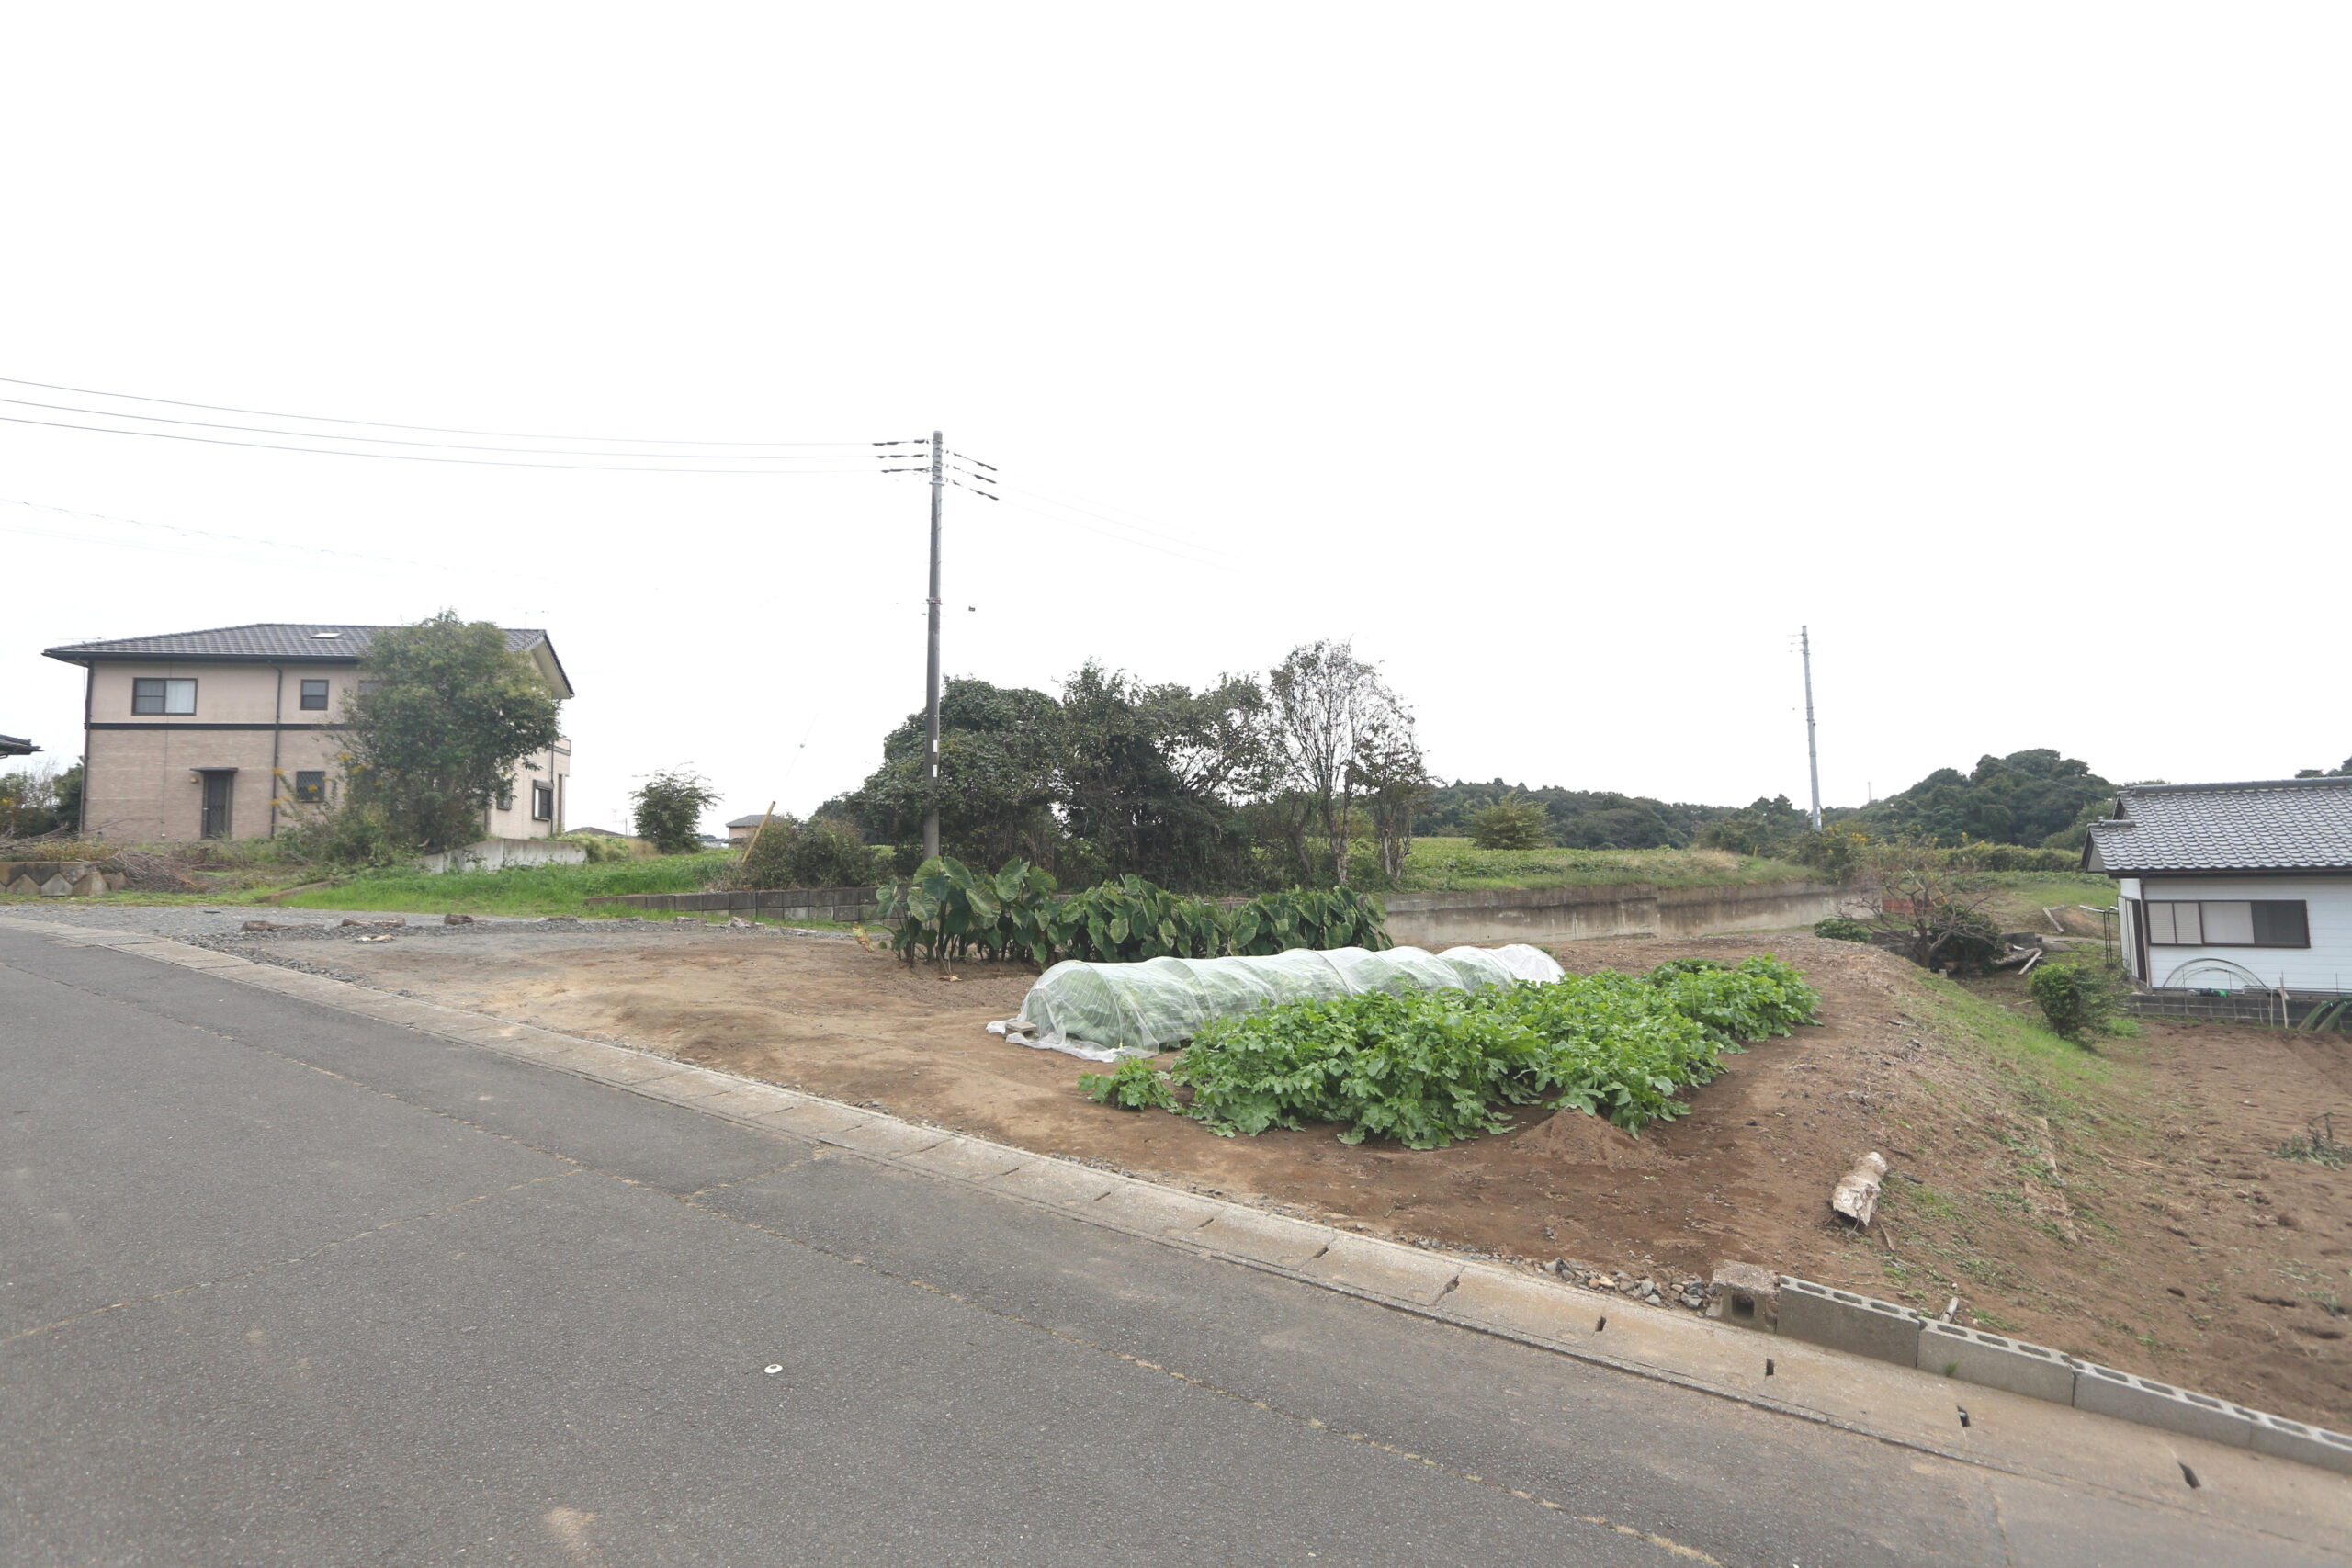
column 1433, row 920
column 59, row 878
column 1437, row 921
column 839, row 904
column 492, row 854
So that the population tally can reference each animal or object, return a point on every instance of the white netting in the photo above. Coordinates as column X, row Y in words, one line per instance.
column 1103, row 1011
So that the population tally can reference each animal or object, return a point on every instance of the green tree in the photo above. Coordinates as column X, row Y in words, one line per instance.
column 999, row 749
column 1149, row 777
column 668, row 810
column 1513, row 822
column 443, row 714
column 2342, row 769
column 2026, row 797
column 1767, row 826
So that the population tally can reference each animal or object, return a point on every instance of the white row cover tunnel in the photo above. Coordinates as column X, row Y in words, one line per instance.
column 1103, row 1011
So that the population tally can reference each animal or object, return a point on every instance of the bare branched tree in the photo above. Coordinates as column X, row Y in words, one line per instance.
column 1336, row 730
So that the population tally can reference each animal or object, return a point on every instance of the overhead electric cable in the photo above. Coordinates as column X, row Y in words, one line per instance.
column 421, row 458
column 442, row 445
column 385, row 424
column 212, row 533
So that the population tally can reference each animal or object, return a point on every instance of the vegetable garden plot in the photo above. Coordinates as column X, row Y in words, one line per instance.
column 1104, row 1012
column 1428, row 1067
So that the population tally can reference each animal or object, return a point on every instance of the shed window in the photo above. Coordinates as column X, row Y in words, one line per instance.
column 2229, row 922
column 311, row 786
column 158, row 695
column 314, row 695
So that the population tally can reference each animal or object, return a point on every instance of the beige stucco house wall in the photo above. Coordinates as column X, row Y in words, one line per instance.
column 248, row 722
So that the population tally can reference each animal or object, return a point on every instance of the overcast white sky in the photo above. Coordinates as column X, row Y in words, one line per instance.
column 1565, row 356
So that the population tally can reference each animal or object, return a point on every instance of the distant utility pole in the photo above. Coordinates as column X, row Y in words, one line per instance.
column 931, row 660
column 942, row 475
column 1812, row 752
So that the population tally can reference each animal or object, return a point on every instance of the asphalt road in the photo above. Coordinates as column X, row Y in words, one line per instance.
column 281, row 1285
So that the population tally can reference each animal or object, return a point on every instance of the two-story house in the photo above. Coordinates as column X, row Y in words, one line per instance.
column 227, row 734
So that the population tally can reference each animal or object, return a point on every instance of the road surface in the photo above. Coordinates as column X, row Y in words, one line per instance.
column 283, row 1285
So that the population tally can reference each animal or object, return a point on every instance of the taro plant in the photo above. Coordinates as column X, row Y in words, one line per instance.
column 946, row 910
column 1321, row 919
column 1130, row 920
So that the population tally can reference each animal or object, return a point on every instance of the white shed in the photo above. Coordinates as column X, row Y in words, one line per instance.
column 2233, row 886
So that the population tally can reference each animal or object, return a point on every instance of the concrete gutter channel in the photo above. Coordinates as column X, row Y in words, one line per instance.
column 1788, row 1345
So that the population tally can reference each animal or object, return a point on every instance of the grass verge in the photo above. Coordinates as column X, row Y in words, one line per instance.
column 1456, row 865
column 519, row 890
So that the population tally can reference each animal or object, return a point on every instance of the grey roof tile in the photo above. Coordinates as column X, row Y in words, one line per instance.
column 2263, row 825
column 263, row 639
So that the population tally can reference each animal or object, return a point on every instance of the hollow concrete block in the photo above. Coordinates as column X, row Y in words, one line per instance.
column 1842, row 1320
column 2282, row 1438
column 2108, row 1392
column 1972, row 1356
column 1747, row 1296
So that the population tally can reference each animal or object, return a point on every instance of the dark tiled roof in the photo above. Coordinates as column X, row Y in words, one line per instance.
column 2266, row 825
column 753, row 821
column 16, row 746
column 264, row 639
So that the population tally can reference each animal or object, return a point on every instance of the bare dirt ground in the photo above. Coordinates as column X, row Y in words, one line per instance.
column 2131, row 1212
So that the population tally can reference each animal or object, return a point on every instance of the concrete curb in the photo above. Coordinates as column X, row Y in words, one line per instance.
column 1906, row 1407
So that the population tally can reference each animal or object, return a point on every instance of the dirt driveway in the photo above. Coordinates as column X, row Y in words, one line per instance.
column 2141, row 1222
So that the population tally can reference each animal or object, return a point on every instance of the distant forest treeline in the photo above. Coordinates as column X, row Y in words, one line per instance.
column 2033, row 797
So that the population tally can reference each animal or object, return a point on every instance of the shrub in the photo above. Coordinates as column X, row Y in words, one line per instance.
column 603, row 848
column 668, row 810
column 826, row 853
column 1514, row 822
column 1842, row 927
column 2076, row 996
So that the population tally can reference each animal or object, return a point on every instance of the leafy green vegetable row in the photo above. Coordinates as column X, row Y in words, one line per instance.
column 1433, row 1067
column 948, row 911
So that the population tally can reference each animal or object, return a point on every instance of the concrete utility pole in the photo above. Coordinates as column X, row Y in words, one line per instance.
column 1805, row 643
column 930, row 676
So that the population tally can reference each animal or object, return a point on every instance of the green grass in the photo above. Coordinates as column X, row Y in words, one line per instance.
column 2019, row 896
column 1450, row 865
column 519, row 890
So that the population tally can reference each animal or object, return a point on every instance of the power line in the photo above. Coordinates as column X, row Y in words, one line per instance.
column 421, row 458
column 383, row 425
column 208, row 533
column 443, row 445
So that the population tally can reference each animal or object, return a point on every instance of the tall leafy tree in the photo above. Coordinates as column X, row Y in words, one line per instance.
column 999, row 750
column 443, row 716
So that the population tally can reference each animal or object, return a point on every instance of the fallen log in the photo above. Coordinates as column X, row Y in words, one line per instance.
column 1856, row 1194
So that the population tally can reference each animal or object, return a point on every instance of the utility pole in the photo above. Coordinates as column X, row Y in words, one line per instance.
column 931, row 665
column 979, row 479
column 1805, row 643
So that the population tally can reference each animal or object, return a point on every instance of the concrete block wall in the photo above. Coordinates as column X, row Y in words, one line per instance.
column 1887, row 1331
column 842, row 905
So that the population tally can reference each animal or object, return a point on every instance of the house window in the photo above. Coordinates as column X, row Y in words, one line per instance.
column 506, row 795
column 370, row 688
column 156, row 695
column 2230, row 922
column 314, row 695
column 311, row 786
column 542, row 803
